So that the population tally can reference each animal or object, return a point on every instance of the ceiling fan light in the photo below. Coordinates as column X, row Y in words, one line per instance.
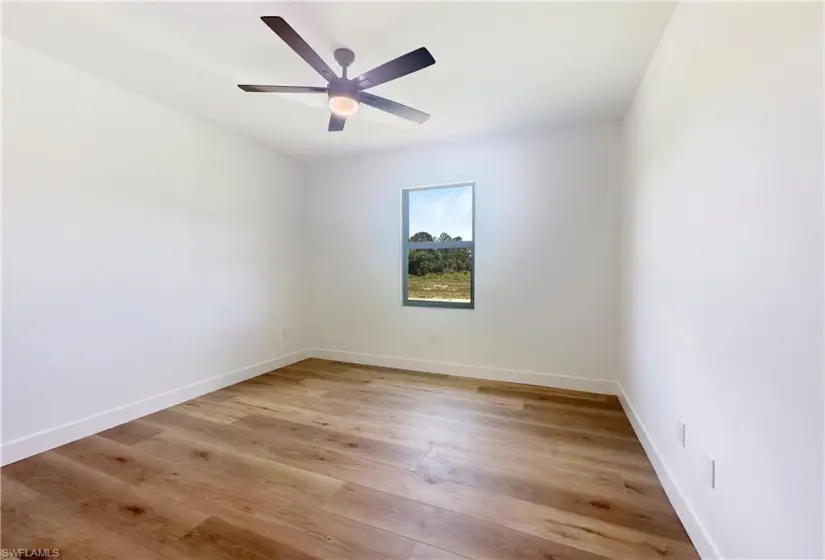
column 343, row 106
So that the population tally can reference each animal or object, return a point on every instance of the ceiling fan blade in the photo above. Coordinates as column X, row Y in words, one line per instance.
column 283, row 30
column 394, row 108
column 411, row 62
column 282, row 89
column 336, row 123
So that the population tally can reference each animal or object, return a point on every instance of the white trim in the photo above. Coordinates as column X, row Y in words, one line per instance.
column 53, row 437
column 696, row 530
column 440, row 186
column 603, row 386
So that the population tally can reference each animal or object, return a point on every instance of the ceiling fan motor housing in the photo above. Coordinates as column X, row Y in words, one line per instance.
column 343, row 88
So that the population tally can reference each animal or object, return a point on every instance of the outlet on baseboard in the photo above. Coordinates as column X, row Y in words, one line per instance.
column 682, row 434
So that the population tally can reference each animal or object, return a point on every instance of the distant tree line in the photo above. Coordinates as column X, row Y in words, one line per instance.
column 437, row 261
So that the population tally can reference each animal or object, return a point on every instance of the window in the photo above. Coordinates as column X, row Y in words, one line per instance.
column 438, row 249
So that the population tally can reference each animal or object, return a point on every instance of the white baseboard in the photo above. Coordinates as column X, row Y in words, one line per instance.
column 48, row 439
column 696, row 530
column 478, row 372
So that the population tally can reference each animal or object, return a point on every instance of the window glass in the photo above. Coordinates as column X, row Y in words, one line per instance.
column 436, row 214
column 439, row 275
column 438, row 246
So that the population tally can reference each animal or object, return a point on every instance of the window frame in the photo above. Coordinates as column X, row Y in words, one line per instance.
column 407, row 246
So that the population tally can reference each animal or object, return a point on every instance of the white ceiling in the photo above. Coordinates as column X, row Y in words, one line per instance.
column 498, row 66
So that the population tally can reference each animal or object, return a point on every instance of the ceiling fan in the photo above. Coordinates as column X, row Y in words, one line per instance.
column 344, row 93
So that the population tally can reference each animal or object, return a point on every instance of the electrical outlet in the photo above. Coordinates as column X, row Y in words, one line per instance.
column 682, row 434
column 711, row 471
column 433, row 338
column 285, row 333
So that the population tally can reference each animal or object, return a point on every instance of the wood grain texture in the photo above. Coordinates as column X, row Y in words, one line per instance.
column 326, row 460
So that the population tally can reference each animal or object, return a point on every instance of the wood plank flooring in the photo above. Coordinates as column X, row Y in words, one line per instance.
column 332, row 461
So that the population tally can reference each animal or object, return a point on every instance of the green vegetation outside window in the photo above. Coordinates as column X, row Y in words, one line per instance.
column 438, row 248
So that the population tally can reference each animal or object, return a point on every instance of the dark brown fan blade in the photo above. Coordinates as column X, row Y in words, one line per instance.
column 392, row 107
column 283, row 30
column 407, row 64
column 283, row 89
column 336, row 123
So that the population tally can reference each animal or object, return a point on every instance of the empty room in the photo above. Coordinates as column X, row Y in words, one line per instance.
column 413, row 281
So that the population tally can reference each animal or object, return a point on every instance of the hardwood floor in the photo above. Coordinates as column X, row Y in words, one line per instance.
column 326, row 460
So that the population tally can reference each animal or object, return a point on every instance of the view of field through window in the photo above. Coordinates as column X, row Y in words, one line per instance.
column 439, row 274
column 440, row 215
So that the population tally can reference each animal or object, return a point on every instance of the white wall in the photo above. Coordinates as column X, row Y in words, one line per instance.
column 144, row 251
column 546, row 256
column 725, row 271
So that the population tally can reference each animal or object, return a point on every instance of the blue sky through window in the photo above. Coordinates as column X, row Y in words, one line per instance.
column 447, row 210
